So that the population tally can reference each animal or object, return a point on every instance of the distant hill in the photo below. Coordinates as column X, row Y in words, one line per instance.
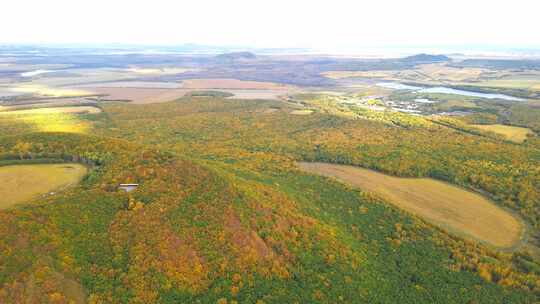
column 425, row 58
column 500, row 64
column 236, row 56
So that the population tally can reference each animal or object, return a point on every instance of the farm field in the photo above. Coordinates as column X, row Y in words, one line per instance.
column 47, row 119
column 52, row 110
column 143, row 95
column 22, row 183
column 230, row 84
column 256, row 93
column 515, row 134
column 134, row 84
column 160, row 70
column 426, row 73
column 138, row 95
column 449, row 207
column 523, row 80
column 82, row 76
column 48, row 91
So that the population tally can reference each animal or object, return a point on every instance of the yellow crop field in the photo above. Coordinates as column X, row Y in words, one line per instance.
column 22, row 183
column 53, row 110
column 452, row 208
column 515, row 134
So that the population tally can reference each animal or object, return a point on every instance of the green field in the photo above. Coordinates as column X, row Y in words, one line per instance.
column 530, row 83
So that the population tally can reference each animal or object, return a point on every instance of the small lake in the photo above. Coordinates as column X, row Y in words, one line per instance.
column 445, row 90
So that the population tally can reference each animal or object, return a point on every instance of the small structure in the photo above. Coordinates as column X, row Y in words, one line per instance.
column 128, row 187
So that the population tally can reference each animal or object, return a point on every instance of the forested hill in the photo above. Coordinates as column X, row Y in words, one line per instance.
column 222, row 214
column 425, row 58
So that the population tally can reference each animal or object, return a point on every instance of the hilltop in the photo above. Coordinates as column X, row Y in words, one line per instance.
column 236, row 56
column 426, row 58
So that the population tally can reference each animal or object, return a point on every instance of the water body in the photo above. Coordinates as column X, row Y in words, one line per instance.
column 445, row 90
column 35, row 73
column 398, row 86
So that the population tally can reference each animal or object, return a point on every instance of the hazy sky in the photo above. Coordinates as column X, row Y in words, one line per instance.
column 277, row 23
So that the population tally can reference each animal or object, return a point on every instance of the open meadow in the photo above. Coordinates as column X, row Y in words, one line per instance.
column 457, row 210
column 22, row 183
column 515, row 134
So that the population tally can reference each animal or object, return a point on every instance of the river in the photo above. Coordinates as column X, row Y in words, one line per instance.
column 445, row 90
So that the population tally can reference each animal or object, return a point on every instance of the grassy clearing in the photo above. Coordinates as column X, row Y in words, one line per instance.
column 452, row 208
column 515, row 134
column 451, row 104
column 22, row 183
column 301, row 112
column 43, row 120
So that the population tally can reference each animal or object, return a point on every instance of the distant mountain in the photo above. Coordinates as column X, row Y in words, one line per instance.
column 236, row 56
column 419, row 58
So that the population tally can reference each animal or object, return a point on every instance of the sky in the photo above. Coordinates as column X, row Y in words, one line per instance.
column 326, row 25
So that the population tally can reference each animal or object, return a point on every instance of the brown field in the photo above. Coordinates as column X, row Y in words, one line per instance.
column 256, row 94
column 457, row 210
column 147, row 95
column 53, row 110
column 515, row 134
column 134, row 84
column 22, row 183
column 160, row 70
column 223, row 83
column 140, row 95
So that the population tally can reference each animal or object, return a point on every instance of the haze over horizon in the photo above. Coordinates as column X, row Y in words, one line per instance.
column 344, row 26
